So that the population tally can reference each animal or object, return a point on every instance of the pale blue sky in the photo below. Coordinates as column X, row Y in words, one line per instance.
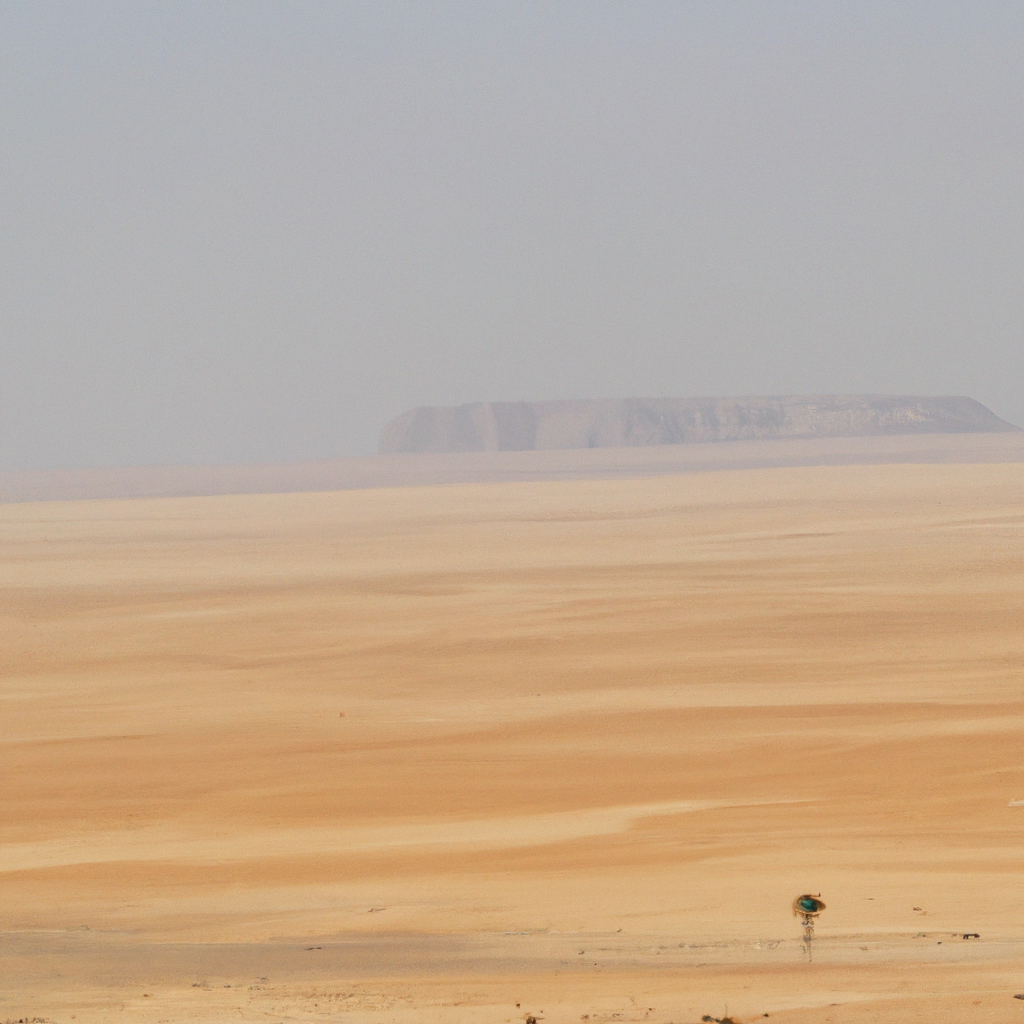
column 256, row 231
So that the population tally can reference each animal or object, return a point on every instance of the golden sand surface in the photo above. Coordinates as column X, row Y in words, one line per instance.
column 563, row 749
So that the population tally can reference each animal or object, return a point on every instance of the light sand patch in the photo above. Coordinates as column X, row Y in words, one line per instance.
column 153, row 844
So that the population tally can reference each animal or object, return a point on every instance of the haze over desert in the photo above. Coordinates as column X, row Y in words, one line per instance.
column 511, row 512
column 564, row 748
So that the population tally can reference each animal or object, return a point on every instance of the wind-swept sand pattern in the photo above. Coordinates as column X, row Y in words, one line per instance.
column 426, row 753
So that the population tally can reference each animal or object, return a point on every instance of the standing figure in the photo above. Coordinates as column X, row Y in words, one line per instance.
column 807, row 908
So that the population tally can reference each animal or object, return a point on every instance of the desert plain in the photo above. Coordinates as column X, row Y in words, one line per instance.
column 474, row 753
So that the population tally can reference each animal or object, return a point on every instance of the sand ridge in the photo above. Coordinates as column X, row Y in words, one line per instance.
column 442, row 469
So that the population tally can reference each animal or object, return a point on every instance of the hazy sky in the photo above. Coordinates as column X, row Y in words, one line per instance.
column 253, row 231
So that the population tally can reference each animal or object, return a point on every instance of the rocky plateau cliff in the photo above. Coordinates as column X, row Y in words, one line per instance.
column 610, row 423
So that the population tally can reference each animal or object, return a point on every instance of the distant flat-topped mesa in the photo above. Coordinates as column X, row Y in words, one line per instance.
column 611, row 423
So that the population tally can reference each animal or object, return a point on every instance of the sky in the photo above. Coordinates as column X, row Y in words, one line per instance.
column 255, row 231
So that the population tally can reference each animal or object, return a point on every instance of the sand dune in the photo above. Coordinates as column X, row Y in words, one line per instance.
column 423, row 754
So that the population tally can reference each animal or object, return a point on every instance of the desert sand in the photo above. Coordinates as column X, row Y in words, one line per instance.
column 476, row 752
